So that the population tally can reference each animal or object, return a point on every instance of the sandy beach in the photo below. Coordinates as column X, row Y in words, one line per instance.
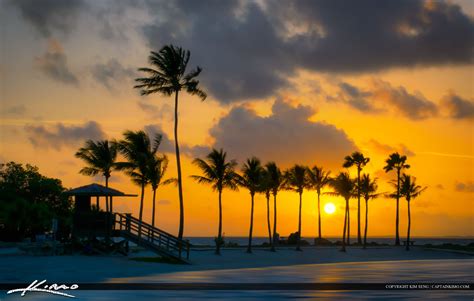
column 313, row 264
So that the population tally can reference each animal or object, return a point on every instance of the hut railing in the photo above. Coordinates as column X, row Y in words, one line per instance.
column 157, row 237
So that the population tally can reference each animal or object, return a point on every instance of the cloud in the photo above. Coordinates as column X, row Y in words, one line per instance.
column 465, row 187
column 14, row 111
column 457, row 107
column 49, row 16
column 251, row 49
column 61, row 135
column 167, row 143
column 165, row 111
column 54, row 64
column 382, row 96
column 388, row 149
column 286, row 136
column 111, row 73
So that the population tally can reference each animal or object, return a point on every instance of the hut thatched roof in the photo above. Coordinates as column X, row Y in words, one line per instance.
column 96, row 190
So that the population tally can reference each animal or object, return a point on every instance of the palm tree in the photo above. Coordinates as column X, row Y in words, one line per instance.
column 252, row 176
column 357, row 159
column 318, row 179
column 157, row 166
column 409, row 190
column 397, row 162
column 138, row 149
column 276, row 182
column 343, row 186
column 296, row 180
column 368, row 189
column 100, row 157
column 168, row 77
column 220, row 174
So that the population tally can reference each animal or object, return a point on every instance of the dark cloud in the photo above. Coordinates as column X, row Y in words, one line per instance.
column 457, row 107
column 54, row 64
column 61, row 135
column 13, row 111
column 163, row 112
column 465, row 186
column 167, row 143
column 49, row 16
column 111, row 73
column 413, row 106
column 354, row 97
column 382, row 96
column 249, row 50
column 286, row 136
column 388, row 149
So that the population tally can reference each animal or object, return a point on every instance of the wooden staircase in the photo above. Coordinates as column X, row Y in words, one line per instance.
column 154, row 239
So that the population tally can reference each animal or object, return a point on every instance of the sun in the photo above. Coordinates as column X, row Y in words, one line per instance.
column 329, row 208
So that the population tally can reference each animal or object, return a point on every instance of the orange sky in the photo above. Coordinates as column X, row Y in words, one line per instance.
column 439, row 145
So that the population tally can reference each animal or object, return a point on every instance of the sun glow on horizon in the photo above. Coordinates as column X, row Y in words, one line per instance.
column 329, row 208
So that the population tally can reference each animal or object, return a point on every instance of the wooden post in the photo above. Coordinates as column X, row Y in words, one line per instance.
column 97, row 202
column 111, row 208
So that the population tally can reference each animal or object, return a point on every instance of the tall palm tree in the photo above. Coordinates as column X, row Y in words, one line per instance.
column 167, row 77
column 409, row 190
column 138, row 148
column 318, row 179
column 398, row 163
column 296, row 180
column 357, row 159
column 251, row 178
column 156, row 171
column 276, row 182
column 343, row 186
column 368, row 189
column 267, row 190
column 220, row 174
column 100, row 157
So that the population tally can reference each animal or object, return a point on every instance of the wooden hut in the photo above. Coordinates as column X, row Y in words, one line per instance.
column 89, row 221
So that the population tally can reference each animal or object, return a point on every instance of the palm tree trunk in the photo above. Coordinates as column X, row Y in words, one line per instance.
column 140, row 215
column 409, row 226
column 106, row 197
column 343, row 249
column 219, row 231
column 178, row 165
column 298, row 241
column 397, row 236
column 268, row 220
column 359, row 240
column 319, row 216
column 366, row 221
column 153, row 208
column 274, row 221
column 348, row 224
column 249, row 247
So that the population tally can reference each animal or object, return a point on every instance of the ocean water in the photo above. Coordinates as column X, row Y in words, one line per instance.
column 209, row 241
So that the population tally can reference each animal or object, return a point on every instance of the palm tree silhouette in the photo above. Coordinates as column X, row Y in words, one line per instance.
column 267, row 190
column 276, row 182
column 397, row 162
column 318, row 179
column 296, row 180
column 220, row 174
column 138, row 149
column 368, row 189
column 251, row 178
column 357, row 159
column 156, row 171
column 169, row 78
column 409, row 190
column 100, row 158
column 343, row 186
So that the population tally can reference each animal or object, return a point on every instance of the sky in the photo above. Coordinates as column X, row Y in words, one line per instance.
column 305, row 82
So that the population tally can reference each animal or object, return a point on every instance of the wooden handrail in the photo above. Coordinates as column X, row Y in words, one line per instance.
column 150, row 234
